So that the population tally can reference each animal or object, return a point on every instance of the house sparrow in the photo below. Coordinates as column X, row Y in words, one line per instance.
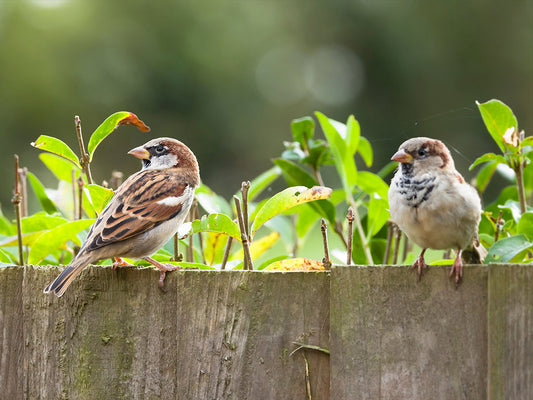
column 431, row 202
column 144, row 213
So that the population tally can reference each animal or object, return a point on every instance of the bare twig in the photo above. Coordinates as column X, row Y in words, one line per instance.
column 405, row 248
column 364, row 242
column 190, row 248
column 116, row 179
column 80, row 197
column 350, row 219
column 23, row 174
column 499, row 225
column 245, row 244
column 245, row 187
column 74, row 193
column 397, row 237
column 84, row 159
column 339, row 230
column 16, row 200
column 196, row 215
column 519, row 172
column 324, row 228
column 226, row 252
column 390, row 228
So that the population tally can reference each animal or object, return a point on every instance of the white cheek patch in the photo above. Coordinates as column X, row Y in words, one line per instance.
column 161, row 162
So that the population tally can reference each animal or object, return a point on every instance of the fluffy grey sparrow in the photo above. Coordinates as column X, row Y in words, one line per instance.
column 431, row 202
column 145, row 212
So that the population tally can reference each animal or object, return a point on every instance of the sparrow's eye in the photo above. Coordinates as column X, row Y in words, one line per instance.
column 422, row 152
column 160, row 149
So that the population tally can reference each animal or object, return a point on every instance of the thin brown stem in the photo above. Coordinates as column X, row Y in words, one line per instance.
column 16, row 200
column 23, row 174
column 196, row 215
column 364, row 242
column 245, row 244
column 226, row 253
column 80, row 197
column 84, row 159
column 245, row 187
column 397, row 238
column 74, row 193
column 326, row 261
column 499, row 225
column 340, row 231
column 390, row 228
column 519, row 172
column 350, row 219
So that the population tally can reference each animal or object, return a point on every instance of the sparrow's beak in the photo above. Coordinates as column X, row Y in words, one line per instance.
column 402, row 157
column 140, row 152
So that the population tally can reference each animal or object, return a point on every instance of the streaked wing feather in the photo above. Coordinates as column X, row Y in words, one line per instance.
column 137, row 207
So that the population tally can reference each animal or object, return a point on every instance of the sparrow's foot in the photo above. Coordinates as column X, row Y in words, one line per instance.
column 420, row 263
column 457, row 268
column 163, row 268
column 120, row 262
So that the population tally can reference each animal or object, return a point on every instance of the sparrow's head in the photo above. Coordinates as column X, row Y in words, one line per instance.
column 163, row 153
column 423, row 154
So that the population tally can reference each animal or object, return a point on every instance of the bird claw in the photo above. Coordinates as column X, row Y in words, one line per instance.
column 164, row 268
column 419, row 264
column 120, row 262
column 457, row 268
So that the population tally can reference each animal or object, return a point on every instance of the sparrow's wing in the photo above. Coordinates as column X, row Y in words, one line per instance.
column 145, row 200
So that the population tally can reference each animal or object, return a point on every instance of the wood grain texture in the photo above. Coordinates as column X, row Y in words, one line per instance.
column 395, row 338
column 11, row 329
column 511, row 332
column 211, row 335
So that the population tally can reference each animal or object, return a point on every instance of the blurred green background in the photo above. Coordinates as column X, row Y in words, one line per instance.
column 227, row 77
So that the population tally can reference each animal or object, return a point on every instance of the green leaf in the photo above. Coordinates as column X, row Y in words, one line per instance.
column 371, row 183
column 353, row 134
column 344, row 161
column 389, row 168
column 219, row 223
column 214, row 246
column 377, row 216
column 303, row 129
column 6, row 257
column 485, row 174
column 211, row 202
column 286, row 199
column 38, row 188
column 319, row 154
column 525, row 225
column 98, row 195
column 365, row 151
column 488, row 157
column 514, row 207
column 6, row 227
column 263, row 181
column 56, row 146
column 498, row 117
column 111, row 124
column 508, row 249
column 56, row 238
column 41, row 222
column 60, row 167
column 293, row 174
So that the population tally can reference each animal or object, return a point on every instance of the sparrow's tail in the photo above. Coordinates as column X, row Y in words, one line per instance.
column 63, row 281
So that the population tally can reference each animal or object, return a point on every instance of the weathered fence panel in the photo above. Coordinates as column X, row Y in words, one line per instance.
column 395, row 338
column 511, row 332
column 229, row 335
column 212, row 335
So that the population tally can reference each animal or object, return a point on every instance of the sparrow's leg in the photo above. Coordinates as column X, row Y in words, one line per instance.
column 120, row 262
column 164, row 268
column 420, row 263
column 457, row 267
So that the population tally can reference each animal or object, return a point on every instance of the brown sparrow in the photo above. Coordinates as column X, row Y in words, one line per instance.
column 146, row 210
column 431, row 202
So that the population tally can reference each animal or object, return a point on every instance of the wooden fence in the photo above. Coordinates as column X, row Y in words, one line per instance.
column 233, row 335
